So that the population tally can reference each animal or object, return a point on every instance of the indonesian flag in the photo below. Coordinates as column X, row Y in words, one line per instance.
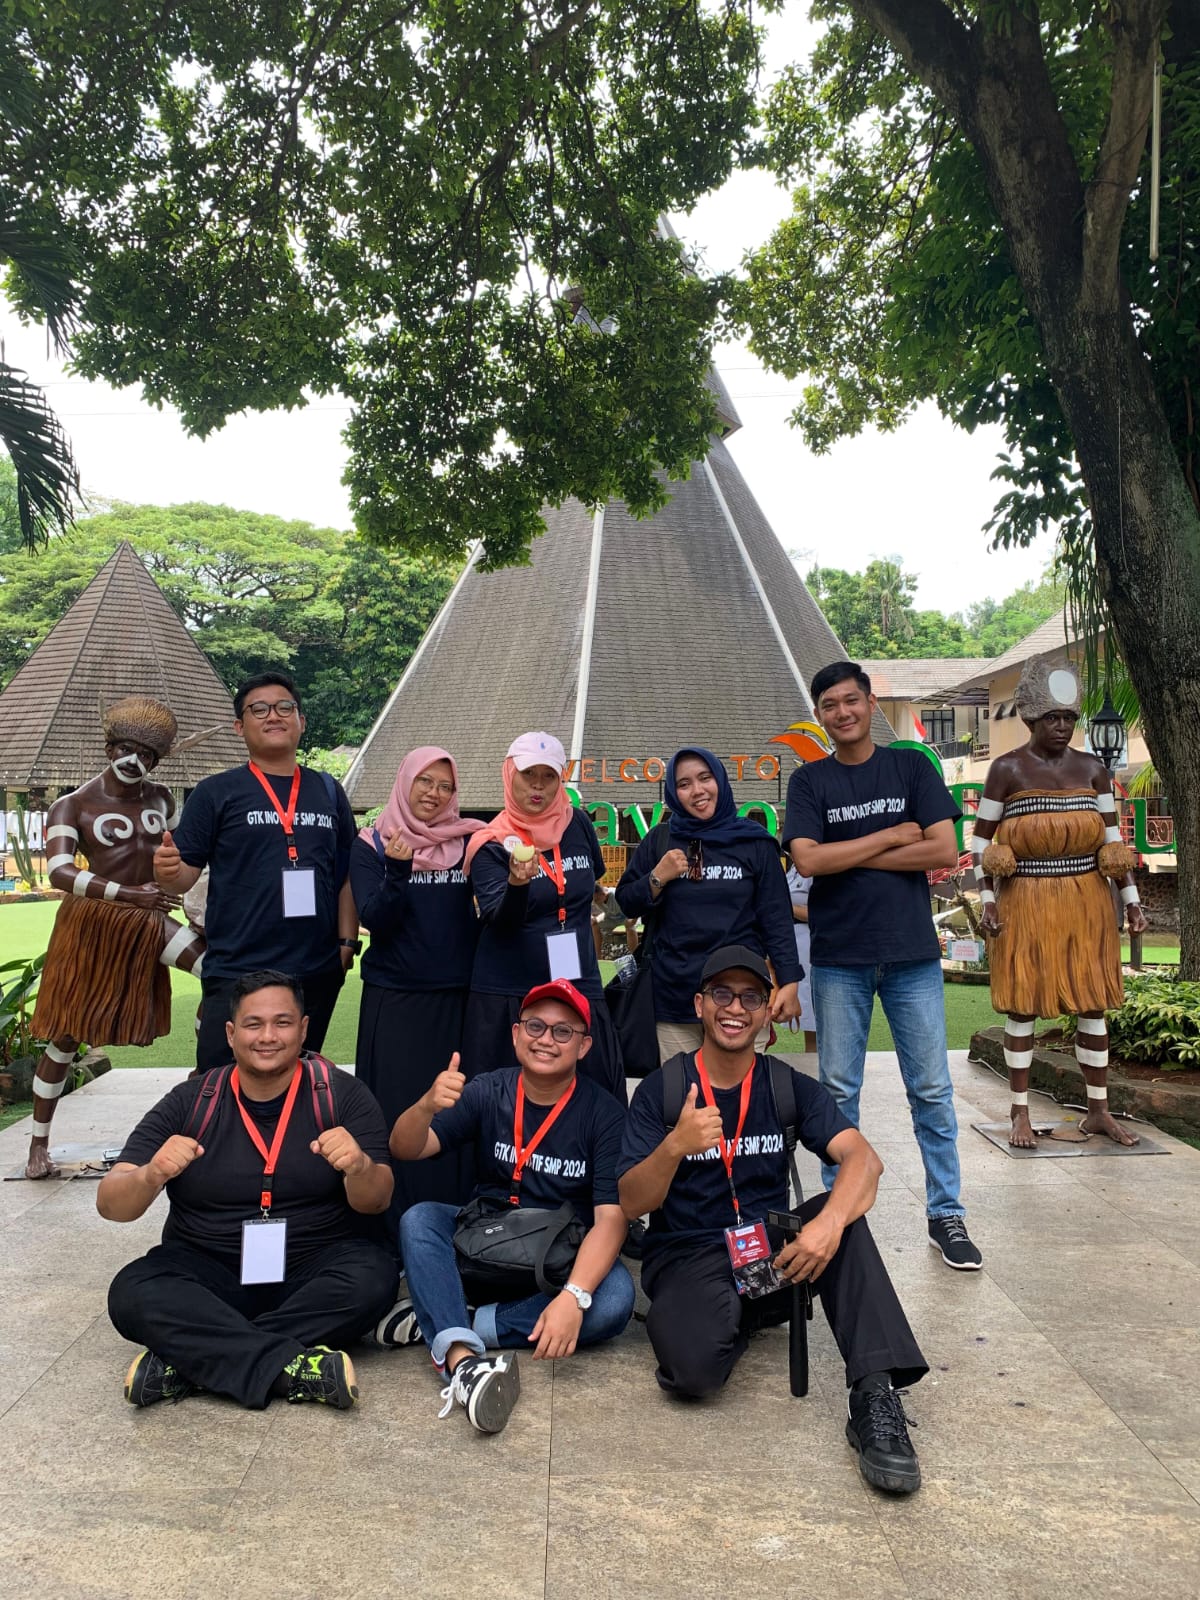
column 920, row 726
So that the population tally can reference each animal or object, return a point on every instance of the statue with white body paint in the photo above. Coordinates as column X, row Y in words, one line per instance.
column 105, row 980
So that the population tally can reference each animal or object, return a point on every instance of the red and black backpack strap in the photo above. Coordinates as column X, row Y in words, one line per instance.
column 205, row 1104
column 320, row 1082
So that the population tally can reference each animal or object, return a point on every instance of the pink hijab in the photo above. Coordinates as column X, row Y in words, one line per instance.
column 435, row 845
column 542, row 830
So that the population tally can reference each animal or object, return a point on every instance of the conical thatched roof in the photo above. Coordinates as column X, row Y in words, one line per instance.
column 624, row 638
column 120, row 637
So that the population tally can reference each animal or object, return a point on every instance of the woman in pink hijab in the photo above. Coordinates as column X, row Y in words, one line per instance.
column 534, row 870
column 410, row 887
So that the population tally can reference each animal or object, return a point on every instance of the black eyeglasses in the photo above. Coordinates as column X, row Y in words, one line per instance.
column 695, row 860
column 751, row 999
column 560, row 1032
column 262, row 709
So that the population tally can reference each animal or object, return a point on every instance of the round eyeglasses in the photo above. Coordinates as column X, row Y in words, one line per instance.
column 560, row 1032
column 262, row 709
column 750, row 999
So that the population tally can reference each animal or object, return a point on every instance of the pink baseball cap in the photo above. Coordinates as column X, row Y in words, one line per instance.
column 567, row 993
column 537, row 750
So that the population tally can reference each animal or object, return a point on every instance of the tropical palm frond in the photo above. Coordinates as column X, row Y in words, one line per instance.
column 47, row 477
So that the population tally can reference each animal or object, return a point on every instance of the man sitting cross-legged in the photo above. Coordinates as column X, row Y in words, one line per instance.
column 541, row 1132
column 721, row 1167
column 264, row 1265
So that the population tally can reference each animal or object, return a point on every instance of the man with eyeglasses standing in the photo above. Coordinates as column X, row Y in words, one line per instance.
column 276, row 840
column 544, row 1137
column 712, row 1168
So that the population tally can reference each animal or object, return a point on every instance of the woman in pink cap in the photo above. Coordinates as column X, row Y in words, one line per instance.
column 534, row 870
column 410, row 886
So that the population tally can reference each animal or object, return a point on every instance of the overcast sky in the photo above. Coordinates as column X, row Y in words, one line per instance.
column 921, row 494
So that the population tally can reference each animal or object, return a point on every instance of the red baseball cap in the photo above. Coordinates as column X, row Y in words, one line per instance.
column 567, row 993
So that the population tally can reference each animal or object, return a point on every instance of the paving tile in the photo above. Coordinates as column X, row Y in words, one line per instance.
column 1106, row 1286
column 1186, row 1470
column 1019, row 1216
column 1047, row 1531
column 697, row 1532
column 111, row 1546
column 1146, row 1375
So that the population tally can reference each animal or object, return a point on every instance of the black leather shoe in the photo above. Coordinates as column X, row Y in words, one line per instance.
column 877, row 1430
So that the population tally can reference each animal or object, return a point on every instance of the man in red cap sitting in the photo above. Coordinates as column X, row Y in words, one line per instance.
column 544, row 1137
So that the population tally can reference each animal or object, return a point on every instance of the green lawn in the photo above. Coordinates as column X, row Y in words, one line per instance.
column 25, row 930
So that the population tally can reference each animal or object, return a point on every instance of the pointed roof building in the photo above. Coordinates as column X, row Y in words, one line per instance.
column 626, row 639
column 119, row 638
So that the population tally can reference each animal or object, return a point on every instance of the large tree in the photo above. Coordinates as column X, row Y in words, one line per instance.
column 240, row 205
column 971, row 224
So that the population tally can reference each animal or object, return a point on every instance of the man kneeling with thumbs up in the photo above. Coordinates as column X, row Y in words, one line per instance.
column 712, row 1169
column 544, row 1138
column 270, row 1163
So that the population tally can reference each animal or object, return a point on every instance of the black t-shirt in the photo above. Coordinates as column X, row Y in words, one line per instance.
column 422, row 924
column 575, row 1162
column 868, row 915
column 220, row 1190
column 230, row 827
column 698, row 1206
column 742, row 899
column 511, row 956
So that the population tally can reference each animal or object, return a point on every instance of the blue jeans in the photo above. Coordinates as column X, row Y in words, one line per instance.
column 427, row 1245
column 913, row 1000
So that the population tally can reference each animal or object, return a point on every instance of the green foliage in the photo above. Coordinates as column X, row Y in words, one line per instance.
column 18, row 980
column 257, row 203
column 1158, row 1026
column 335, row 763
column 997, row 625
column 11, row 537
column 257, row 592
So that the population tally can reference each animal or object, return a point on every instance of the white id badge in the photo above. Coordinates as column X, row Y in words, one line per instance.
column 264, row 1249
column 563, row 950
column 299, row 892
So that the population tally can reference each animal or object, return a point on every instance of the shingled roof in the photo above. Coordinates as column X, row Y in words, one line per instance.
column 626, row 639
column 120, row 637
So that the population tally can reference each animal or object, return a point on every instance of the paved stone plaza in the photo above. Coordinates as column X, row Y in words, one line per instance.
column 1059, row 1430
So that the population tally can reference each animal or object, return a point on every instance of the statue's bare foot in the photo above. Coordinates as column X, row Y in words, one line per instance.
column 1102, row 1122
column 1021, row 1135
column 39, row 1164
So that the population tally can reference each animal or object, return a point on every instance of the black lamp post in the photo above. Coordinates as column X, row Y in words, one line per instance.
column 1107, row 732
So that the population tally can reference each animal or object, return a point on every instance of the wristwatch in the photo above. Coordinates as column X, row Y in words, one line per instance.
column 352, row 944
column 582, row 1297
column 655, row 881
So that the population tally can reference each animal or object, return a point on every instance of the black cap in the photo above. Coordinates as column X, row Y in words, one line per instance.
column 735, row 955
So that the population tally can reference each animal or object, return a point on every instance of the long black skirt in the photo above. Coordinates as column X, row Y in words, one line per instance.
column 487, row 1040
column 405, row 1038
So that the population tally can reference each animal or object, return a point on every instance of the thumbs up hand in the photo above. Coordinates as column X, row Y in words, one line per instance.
column 699, row 1126
column 167, row 861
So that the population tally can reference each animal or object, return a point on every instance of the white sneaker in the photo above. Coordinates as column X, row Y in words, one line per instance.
column 486, row 1387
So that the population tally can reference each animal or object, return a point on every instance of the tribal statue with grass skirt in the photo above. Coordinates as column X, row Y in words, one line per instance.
column 105, row 979
column 1046, row 843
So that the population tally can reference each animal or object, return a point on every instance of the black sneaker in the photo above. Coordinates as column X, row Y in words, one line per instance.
column 397, row 1330
column 877, row 1430
column 150, row 1378
column 323, row 1375
column 487, row 1388
column 950, row 1236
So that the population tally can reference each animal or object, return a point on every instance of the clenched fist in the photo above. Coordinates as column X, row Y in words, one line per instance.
column 699, row 1126
column 174, row 1157
column 446, row 1089
column 342, row 1151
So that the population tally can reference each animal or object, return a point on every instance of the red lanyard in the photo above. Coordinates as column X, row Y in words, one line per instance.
column 524, row 1151
column 727, row 1147
column 556, row 873
column 288, row 817
column 270, row 1156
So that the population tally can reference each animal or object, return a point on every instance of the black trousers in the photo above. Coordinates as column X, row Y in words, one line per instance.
column 321, row 990
column 190, row 1309
column 699, row 1325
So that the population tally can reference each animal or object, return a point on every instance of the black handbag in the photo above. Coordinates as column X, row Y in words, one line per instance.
column 507, row 1252
column 631, row 1001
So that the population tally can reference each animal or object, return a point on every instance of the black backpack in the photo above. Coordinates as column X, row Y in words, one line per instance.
column 783, row 1098
column 320, row 1083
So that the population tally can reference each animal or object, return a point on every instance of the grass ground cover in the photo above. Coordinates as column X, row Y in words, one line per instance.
column 25, row 930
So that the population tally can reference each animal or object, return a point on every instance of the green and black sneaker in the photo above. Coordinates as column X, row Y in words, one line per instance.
column 150, row 1378
column 324, row 1375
